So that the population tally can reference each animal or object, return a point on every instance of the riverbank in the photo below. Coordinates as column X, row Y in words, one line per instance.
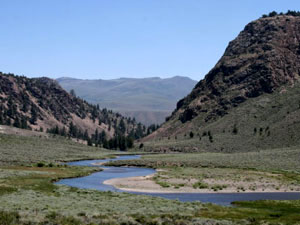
column 29, row 196
column 146, row 184
column 212, row 173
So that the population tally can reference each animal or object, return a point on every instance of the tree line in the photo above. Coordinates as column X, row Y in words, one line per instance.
column 288, row 13
column 98, row 139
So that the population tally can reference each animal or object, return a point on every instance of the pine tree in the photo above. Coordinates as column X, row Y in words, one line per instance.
column 122, row 126
column 17, row 123
column 33, row 118
column 86, row 135
column 72, row 92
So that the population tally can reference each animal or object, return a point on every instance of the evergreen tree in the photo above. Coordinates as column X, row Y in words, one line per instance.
column 86, row 135
column 89, row 142
column 63, row 132
column 24, row 123
column 33, row 118
column 105, row 144
column 17, row 123
column 122, row 126
column 129, row 142
column 72, row 92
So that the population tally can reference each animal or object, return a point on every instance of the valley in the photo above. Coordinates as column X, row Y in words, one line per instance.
column 148, row 100
column 26, row 187
column 234, row 136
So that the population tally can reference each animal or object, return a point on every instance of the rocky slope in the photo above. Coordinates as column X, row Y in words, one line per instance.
column 263, row 61
column 148, row 100
column 41, row 104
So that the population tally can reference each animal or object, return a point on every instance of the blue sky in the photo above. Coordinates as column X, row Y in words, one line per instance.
column 106, row 39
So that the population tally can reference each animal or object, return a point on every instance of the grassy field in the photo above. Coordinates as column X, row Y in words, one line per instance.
column 30, row 196
column 29, row 165
column 28, row 150
column 280, row 159
column 270, row 170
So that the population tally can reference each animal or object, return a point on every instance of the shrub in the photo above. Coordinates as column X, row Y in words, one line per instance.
column 40, row 164
column 200, row 185
column 191, row 134
column 235, row 130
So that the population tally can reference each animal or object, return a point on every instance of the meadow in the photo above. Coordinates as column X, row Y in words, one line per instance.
column 30, row 165
column 265, row 171
column 26, row 150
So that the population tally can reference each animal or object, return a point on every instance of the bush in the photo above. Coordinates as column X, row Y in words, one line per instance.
column 200, row 185
column 235, row 130
column 191, row 134
column 40, row 164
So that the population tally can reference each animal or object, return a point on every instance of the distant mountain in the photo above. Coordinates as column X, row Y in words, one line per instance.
column 249, row 100
column 41, row 104
column 149, row 100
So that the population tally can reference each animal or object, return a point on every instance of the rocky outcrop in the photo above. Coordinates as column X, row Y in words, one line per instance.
column 264, row 56
column 263, row 59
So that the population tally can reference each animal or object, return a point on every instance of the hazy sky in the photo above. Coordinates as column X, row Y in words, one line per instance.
column 108, row 39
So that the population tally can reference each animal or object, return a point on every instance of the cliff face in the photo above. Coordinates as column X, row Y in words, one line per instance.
column 263, row 59
column 41, row 104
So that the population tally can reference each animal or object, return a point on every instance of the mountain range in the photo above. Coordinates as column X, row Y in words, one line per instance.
column 148, row 100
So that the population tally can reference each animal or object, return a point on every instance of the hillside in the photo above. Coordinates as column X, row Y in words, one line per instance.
column 149, row 100
column 41, row 104
column 249, row 100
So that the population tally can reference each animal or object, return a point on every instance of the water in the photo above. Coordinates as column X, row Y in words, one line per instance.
column 95, row 181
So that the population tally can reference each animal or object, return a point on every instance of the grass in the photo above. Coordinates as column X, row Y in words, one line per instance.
column 258, row 212
column 270, row 121
column 23, row 150
column 281, row 159
column 236, row 172
column 28, row 195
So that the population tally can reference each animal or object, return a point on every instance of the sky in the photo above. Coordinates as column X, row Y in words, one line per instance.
column 108, row 39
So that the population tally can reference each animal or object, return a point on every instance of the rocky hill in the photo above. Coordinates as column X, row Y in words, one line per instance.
column 249, row 100
column 41, row 104
column 148, row 100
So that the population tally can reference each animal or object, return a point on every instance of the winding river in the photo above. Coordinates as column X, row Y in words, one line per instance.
column 95, row 181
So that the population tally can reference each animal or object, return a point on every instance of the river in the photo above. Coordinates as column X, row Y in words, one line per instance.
column 95, row 181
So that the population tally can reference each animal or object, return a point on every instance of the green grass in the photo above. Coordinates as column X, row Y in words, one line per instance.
column 281, row 159
column 240, row 172
column 258, row 212
column 275, row 117
column 28, row 150
column 28, row 195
